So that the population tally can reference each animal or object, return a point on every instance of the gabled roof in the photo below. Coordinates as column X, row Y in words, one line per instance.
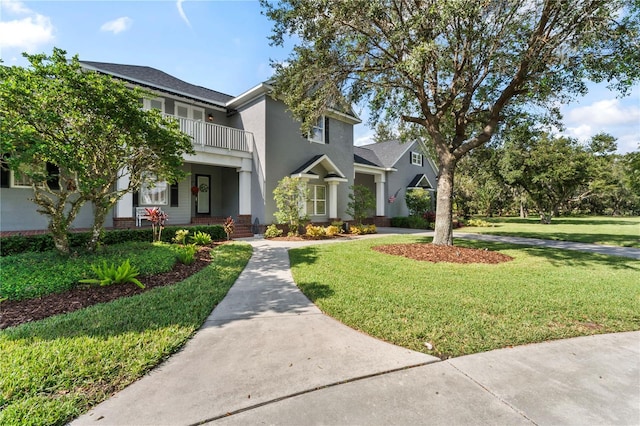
column 420, row 181
column 156, row 79
column 387, row 153
column 333, row 172
column 365, row 156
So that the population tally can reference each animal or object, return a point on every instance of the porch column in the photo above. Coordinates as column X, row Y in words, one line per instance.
column 380, row 180
column 333, row 199
column 244, row 196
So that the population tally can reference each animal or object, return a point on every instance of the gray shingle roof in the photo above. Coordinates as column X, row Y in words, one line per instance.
column 365, row 156
column 156, row 79
column 386, row 154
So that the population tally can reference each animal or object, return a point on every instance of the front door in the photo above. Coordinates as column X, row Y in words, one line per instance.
column 203, row 199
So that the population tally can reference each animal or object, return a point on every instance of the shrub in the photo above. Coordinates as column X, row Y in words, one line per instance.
column 109, row 274
column 332, row 230
column 418, row 201
column 17, row 244
column 181, row 235
column 186, row 254
column 400, row 222
column 363, row 229
column 201, row 238
column 479, row 223
column 338, row 224
column 272, row 231
column 315, row 231
column 417, row 222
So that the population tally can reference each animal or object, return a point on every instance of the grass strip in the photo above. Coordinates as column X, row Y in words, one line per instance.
column 607, row 230
column 543, row 294
column 55, row 369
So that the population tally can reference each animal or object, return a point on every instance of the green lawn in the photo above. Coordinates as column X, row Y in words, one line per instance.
column 616, row 231
column 543, row 294
column 55, row 369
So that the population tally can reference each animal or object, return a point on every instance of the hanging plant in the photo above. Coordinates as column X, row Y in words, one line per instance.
column 195, row 190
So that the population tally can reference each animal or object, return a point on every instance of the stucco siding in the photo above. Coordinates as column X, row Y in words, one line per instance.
column 18, row 213
column 397, row 181
column 287, row 150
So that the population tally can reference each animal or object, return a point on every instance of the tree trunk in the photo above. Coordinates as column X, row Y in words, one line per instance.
column 60, row 237
column 99, row 214
column 444, row 228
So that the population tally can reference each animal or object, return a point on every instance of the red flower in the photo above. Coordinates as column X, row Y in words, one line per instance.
column 195, row 190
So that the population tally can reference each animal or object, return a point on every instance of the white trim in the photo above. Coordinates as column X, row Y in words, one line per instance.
column 371, row 170
column 146, row 103
column 190, row 110
column 313, row 200
column 320, row 125
column 416, row 159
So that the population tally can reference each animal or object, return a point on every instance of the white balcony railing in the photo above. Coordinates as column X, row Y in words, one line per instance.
column 215, row 135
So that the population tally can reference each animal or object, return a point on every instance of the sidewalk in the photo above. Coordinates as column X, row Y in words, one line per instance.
column 267, row 355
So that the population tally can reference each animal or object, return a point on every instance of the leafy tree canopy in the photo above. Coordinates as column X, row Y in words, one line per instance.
column 454, row 69
column 91, row 127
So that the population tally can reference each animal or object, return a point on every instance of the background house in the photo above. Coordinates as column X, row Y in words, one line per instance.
column 243, row 146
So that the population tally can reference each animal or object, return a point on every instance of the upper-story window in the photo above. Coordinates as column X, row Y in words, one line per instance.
column 189, row 111
column 156, row 103
column 318, row 131
column 416, row 159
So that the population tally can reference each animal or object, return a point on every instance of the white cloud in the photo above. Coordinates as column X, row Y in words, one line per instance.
column 15, row 7
column 181, row 12
column 26, row 33
column 619, row 119
column 608, row 112
column 117, row 25
column 364, row 139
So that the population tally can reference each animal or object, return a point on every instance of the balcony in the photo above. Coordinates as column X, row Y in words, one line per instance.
column 215, row 135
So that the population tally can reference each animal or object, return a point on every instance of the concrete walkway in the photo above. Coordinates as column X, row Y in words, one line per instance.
column 267, row 355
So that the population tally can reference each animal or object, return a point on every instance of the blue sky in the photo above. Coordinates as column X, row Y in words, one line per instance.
column 222, row 45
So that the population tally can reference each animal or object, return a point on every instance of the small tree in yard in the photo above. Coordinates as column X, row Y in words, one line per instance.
column 361, row 203
column 418, row 201
column 91, row 128
column 290, row 196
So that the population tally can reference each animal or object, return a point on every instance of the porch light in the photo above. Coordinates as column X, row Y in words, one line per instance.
column 210, row 117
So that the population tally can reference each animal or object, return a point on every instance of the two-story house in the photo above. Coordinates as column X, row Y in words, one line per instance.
column 243, row 146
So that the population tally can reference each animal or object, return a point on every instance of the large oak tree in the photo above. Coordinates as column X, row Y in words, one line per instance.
column 454, row 69
column 91, row 129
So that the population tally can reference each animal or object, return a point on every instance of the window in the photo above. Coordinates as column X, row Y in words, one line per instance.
column 416, row 159
column 157, row 103
column 152, row 194
column 189, row 111
column 318, row 131
column 317, row 204
column 19, row 179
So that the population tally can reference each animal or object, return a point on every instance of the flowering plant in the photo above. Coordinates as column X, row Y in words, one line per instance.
column 157, row 218
column 195, row 190
column 229, row 227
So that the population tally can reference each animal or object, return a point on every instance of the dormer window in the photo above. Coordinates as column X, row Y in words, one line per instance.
column 416, row 159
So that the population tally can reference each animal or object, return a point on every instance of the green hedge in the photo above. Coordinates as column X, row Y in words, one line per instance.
column 17, row 244
column 412, row 222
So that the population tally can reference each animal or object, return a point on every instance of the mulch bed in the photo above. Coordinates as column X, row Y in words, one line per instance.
column 15, row 312
column 451, row 254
